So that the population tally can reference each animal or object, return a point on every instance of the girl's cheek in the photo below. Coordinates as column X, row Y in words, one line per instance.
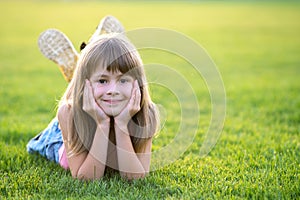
column 129, row 88
column 98, row 91
column 126, row 88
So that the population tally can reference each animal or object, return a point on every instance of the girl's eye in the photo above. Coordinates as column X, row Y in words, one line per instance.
column 123, row 80
column 102, row 81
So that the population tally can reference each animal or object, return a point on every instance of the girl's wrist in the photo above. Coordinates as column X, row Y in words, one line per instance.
column 121, row 121
column 104, row 124
column 121, row 127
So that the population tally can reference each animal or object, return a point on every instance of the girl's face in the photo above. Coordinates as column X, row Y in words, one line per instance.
column 112, row 91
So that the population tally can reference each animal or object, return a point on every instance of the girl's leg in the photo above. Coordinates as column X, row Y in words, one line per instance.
column 108, row 24
column 48, row 142
column 57, row 47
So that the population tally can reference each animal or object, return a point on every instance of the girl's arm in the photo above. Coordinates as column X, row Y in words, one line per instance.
column 85, row 165
column 131, row 164
column 88, row 164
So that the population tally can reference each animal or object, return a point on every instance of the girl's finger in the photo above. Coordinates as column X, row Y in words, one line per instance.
column 88, row 95
column 90, row 90
column 132, row 98
column 137, row 95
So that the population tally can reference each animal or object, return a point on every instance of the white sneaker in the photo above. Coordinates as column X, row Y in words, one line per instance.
column 57, row 47
column 108, row 24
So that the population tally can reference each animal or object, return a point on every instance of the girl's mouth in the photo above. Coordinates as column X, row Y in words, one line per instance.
column 112, row 101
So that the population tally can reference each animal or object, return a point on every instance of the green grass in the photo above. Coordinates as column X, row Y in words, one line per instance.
column 256, row 47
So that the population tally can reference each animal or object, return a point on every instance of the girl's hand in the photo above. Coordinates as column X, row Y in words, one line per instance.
column 131, row 109
column 91, row 107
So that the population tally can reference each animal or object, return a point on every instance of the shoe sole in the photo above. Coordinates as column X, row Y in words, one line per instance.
column 108, row 24
column 56, row 46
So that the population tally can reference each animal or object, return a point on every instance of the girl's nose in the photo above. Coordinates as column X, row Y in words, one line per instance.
column 113, row 89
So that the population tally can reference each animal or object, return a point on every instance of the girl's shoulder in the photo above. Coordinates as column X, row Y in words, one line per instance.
column 65, row 118
column 64, row 113
column 64, row 109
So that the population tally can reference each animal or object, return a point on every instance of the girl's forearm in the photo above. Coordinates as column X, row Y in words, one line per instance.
column 129, row 163
column 93, row 166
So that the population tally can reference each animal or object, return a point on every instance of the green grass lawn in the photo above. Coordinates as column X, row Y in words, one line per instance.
column 256, row 47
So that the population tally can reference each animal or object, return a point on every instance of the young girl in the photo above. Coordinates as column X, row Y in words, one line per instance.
column 106, row 116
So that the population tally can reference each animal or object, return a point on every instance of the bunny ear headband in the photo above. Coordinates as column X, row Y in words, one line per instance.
column 57, row 47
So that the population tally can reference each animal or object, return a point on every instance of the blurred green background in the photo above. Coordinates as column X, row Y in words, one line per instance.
column 256, row 47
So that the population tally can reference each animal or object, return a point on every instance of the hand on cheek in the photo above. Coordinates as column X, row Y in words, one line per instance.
column 91, row 107
column 131, row 108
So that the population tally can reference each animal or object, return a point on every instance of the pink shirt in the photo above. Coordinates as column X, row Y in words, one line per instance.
column 63, row 161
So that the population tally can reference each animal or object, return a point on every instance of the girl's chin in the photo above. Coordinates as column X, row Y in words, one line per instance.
column 112, row 113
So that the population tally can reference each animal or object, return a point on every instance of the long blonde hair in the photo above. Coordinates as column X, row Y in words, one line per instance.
column 114, row 53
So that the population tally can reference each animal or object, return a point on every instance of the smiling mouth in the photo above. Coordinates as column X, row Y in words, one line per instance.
column 112, row 102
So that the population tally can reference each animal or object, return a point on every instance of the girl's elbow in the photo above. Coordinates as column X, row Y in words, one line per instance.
column 133, row 176
column 87, row 176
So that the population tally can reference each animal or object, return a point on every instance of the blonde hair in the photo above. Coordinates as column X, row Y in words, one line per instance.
column 115, row 53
